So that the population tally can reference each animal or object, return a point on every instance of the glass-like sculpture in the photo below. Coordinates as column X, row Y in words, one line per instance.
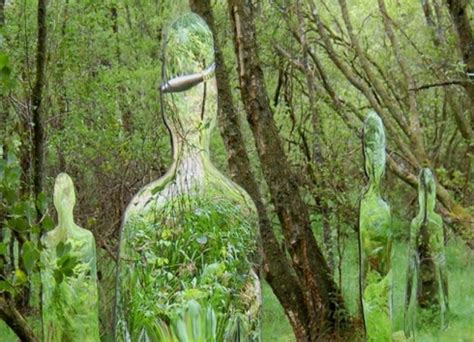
column 188, row 246
column 426, row 301
column 375, row 237
column 69, row 278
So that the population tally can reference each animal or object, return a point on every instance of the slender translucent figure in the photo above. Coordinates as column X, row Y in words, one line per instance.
column 427, row 284
column 69, row 276
column 189, row 240
column 375, row 238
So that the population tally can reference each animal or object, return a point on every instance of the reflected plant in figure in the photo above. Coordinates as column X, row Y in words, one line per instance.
column 188, row 249
column 375, row 237
column 426, row 301
column 69, row 278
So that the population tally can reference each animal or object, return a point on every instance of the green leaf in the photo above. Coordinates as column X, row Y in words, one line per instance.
column 5, row 72
column 42, row 202
column 5, row 287
column 58, row 276
column 62, row 249
column 30, row 256
column 3, row 60
column 3, row 248
column 19, row 224
column 47, row 224
column 20, row 277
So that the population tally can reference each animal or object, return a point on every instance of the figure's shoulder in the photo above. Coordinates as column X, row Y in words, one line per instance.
column 81, row 236
column 146, row 195
column 48, row 239
column 233, row 193
column 436, row 220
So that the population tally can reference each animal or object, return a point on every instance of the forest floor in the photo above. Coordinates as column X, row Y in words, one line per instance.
column 461, row 295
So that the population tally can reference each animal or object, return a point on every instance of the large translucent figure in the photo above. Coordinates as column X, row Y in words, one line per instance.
column 375, row 238
column 189, row 240
column 70, row 299
column 426, row 300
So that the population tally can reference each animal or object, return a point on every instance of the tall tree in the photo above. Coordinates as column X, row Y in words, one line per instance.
column 8, row 312
column 37, row 100
column 394, row 98
column 326, row 309
column 459, row 10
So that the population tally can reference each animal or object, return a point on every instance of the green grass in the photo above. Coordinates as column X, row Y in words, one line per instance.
column 276, row 327
column 461, row 294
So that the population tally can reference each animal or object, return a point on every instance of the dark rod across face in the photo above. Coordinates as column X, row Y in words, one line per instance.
column 188, row 90
column 189, row 54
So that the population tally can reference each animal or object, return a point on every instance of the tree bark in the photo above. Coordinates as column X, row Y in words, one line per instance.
column 37, row 99
column 326, row 308
column 2, row 12
column 10, row 315
column 278, row 271
column 406, row 133
column 458, row 10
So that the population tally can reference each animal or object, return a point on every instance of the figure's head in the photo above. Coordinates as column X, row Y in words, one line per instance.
column 64, row 195
column 189, row 46
column 374, row 147
column 426, row 189
column 189, row 92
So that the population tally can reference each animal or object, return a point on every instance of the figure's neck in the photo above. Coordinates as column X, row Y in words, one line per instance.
column 374, row 187
column 65, row 221
column 186, row 146
column 427, row 205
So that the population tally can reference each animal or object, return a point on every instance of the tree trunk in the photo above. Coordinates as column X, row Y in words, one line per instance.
column 36, row 100
column 458, row 10
column 278, row 271
column 2, row 13
column 404, row 130
column 327, row 314
column 10, row 315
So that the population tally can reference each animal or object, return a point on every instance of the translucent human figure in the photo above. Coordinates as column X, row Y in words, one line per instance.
column 426, row 299
column 375, row 237
column 190, row 238
column 69, row 278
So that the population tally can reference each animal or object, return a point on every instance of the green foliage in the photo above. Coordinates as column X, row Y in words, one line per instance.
column 6, row 80
column 189, row 46
column 193, row 249
column 96, row 77
column 194, row 324
column 70, row 296
column 18, row 217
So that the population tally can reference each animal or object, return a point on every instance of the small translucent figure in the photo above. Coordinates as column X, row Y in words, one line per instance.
column 426, row 302
column 69, row 277
column 189, row 240
column 375, row 238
